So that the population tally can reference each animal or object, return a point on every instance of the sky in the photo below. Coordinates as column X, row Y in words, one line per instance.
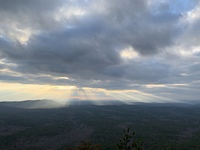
column 130, row 50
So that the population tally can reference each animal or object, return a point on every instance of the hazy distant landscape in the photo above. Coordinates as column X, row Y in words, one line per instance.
column 159, row 126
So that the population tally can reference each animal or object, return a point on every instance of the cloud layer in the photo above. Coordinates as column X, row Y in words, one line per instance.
column 113, row 44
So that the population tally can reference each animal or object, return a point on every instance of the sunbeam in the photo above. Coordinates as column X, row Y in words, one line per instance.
column 31, row 91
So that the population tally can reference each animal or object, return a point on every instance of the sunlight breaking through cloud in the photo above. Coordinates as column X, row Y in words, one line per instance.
column 139, row 50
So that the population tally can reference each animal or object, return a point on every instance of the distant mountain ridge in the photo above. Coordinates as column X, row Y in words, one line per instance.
column 44, row 103
column 32, row 104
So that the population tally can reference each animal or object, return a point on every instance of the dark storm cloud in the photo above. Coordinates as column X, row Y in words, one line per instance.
column 57, row 53
column 87, row 48
column 35, row 16
column 26, row 11
column 9, row 78
column 134, row 23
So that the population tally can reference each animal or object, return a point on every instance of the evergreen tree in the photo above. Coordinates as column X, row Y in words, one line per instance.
column 128, row 142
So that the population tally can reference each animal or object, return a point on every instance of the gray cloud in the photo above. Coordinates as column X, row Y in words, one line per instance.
column 87, row 48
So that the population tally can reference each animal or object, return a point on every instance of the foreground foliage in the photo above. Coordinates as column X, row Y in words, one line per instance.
column 86, row 146
column 128, row 142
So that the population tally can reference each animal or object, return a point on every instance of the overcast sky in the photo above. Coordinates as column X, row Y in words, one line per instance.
column 138, row 50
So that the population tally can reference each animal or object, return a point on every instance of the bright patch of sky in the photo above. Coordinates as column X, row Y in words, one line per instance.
column 129, row 53
column 181, row 6
column 172, row 6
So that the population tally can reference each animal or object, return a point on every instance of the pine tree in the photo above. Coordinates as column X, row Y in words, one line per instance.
column 128, row 142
